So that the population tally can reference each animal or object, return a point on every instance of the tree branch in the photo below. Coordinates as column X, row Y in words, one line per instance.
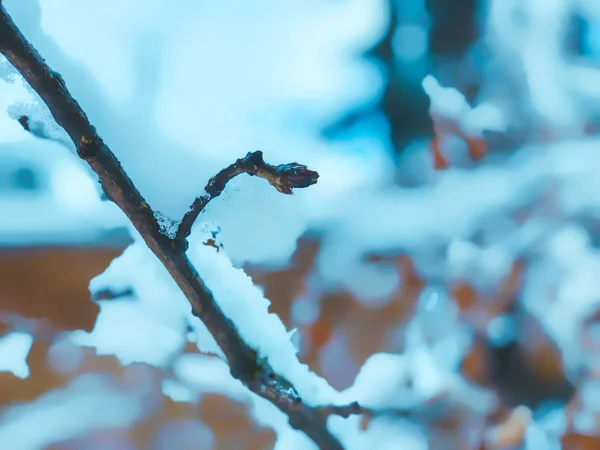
column 283, row 177
column 244, row 363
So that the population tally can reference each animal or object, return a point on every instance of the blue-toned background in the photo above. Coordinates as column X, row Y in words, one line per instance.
column 445, row 265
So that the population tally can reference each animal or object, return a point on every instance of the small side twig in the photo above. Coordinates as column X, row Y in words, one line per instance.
column 356, row 409
column 37, row 129
column 283, row 177
column 111, row 294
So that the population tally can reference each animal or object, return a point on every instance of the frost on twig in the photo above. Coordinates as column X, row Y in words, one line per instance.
column 283, row 177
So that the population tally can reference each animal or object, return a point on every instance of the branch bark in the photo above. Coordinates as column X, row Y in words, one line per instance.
column 244, row 363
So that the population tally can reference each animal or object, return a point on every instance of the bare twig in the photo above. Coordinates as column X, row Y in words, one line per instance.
column 283, row 177
column 25, row 121
column 256, row 373
column 111, row 294
column 37, row 129
column 355, row 409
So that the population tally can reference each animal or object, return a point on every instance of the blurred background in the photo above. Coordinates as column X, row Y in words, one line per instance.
column 456, row 222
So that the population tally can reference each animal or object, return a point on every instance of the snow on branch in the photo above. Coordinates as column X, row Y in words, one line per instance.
column 244, row 363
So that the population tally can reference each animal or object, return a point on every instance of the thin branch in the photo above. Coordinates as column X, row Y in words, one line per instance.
column 25, row 122
column 111, row 294
column 244, row 363
column 283, row 177
column 37, row 129
column 355, row 409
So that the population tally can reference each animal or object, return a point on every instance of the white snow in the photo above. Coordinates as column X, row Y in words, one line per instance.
column 14, row 348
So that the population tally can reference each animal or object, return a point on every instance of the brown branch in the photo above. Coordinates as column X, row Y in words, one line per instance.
column 25, row 122
column 112, row 294
column 283, row 177
column 32, row 127
column 37, row 129
column 243, row 360
column 355, row 409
